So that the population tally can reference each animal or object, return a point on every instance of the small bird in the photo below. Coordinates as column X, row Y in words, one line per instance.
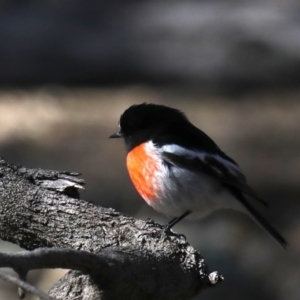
column 179, row 170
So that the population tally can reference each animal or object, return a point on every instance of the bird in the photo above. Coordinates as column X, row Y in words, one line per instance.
column 180, row 171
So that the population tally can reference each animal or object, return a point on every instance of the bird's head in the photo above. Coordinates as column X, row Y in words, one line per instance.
column 143, row 122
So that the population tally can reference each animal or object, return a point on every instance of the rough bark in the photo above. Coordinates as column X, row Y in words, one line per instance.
column 40, row 208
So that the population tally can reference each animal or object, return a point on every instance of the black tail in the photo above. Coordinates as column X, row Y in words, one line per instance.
column 261, row 221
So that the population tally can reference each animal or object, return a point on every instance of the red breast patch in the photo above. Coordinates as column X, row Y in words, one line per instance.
column 142, row 167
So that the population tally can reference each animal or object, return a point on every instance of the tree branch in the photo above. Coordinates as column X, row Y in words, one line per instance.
column 70, row 259
column 140, row 259
column 25, row 286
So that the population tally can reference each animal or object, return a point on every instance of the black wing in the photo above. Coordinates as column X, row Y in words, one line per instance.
column 213, row 167
column 236, row 184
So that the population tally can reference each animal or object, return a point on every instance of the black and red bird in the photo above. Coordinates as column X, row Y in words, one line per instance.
column 179, row 170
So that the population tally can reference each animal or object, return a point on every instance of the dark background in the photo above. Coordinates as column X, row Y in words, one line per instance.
column 68, row 69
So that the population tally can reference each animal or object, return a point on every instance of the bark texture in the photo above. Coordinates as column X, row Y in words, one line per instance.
column 41, row 208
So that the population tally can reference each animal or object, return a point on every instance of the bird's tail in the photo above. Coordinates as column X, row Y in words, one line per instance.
column 261, row 221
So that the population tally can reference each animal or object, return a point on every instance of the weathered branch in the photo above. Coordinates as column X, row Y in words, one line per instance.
column 25, row 286
column 140, row 260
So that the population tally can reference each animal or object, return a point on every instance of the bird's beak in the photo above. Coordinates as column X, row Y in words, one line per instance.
column 116, row 135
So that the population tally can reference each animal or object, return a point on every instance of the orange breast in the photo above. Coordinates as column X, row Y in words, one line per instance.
column 142, row 167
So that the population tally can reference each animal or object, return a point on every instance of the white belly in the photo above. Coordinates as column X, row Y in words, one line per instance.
column 183, row 190
column 180, row 190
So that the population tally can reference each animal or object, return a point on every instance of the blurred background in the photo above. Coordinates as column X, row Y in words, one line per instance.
column 68, row 69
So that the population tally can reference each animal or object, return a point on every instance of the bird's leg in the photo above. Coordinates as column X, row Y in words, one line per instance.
column 176, row 220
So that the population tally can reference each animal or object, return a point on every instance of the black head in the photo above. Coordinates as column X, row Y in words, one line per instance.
column 141, row 123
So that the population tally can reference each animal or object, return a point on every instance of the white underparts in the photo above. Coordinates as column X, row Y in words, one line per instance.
column 181, row 190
